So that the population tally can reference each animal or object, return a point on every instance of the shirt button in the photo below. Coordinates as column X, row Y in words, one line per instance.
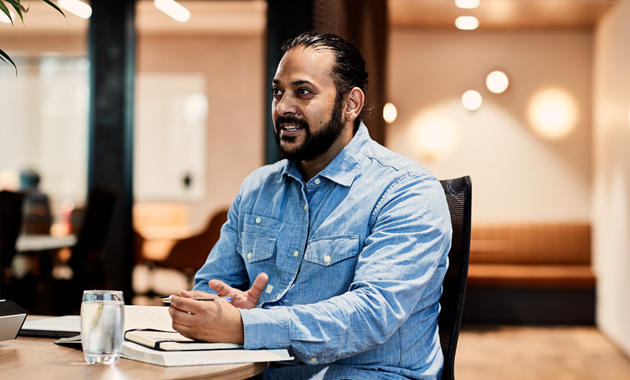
column 257, row 220
column 305, row 207
column 327, row 259
column 279, row 296
column 296, row 253
column 250, row 255
column 318, row 181
column 313, row 360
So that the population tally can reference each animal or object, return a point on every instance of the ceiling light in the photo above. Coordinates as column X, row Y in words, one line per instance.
column 467, row 23
column 467, row 4
column 497, row 82
column 5, row 19
column 552, row 113
column 173, row 9
column 390, row 113
column 76, row 7
column 471, row 100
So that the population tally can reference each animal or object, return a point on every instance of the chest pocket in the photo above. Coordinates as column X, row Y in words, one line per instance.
column 330, row 250
column 259, row 237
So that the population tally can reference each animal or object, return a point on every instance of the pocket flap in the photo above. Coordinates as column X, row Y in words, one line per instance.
column 257, row 247
column 332, row 249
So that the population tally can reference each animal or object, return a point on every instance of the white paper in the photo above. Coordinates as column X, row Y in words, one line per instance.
column 136, row 317
column 148, row 317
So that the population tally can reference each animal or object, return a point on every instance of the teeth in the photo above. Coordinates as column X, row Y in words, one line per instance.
column 291, row 128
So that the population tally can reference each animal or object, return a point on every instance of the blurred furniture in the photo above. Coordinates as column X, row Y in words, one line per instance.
column 531, row 273
column 186, row 257
column 10, row 221
column 459, row 198
column 27, row 243
column 87, row 260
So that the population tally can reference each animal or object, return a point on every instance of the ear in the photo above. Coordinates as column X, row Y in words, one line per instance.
column 354, row 104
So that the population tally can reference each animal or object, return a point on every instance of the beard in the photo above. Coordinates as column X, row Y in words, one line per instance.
column 314, row 144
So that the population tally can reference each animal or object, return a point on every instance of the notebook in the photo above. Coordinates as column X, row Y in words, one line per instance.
column 56, row 327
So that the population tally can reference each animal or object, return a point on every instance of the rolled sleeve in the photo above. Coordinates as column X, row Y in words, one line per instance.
column 266, row 328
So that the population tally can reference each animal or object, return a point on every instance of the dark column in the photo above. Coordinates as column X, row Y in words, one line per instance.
column 364, row 23
column 112, row 40
column 285, row 19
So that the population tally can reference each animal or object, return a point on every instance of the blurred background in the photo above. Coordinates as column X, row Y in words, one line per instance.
column 529, row 98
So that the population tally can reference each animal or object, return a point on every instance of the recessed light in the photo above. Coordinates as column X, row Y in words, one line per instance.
column 390, row 113
column 173, row 9
column 467, row 4
column 467, row 23
column 497, row 82
column 471, row 100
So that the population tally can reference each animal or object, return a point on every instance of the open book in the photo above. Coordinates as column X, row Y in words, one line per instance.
column 173, row 341
column 179, row 350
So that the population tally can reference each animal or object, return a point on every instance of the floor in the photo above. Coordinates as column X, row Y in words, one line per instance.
column 536, row 353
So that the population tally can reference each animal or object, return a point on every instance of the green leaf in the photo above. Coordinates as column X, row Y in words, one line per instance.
column 19, row 12
column 5, row 57
column 56, row 7
column 18, row 8
column 4, row 9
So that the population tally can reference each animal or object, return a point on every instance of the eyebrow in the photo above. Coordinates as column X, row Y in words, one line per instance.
column 295, row 83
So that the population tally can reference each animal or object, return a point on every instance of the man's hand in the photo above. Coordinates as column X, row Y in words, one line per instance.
column 240, row 299
column 215, row 321
column 206, row 321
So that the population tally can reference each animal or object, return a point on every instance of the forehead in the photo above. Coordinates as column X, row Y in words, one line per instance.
column 306, row 64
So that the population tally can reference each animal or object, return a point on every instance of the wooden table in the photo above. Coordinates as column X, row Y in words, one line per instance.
column 40, row 359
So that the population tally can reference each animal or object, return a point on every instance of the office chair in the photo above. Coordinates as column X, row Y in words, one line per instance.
column 188, row 255
column 459, row 197
column 87, row 260
column 10, row 222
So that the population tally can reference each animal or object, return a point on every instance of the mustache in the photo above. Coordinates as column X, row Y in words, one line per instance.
column 291, row 120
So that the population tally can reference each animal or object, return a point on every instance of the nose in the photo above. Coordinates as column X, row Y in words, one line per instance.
column 286, row 106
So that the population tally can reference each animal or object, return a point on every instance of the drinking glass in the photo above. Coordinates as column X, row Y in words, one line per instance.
column 102, row 326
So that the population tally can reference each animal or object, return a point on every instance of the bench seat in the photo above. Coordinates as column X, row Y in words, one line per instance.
column 531, row 276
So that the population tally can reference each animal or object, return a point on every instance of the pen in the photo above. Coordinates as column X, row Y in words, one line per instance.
column 226, row 299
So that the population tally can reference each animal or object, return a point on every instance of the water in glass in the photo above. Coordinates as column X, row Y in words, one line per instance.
column 102, row 327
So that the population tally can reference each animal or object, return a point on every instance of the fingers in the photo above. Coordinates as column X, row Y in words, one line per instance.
column 193, row 293
column 257, row 288
column 222, row 288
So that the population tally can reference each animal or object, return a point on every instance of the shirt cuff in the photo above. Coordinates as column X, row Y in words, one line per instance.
column 265, row 328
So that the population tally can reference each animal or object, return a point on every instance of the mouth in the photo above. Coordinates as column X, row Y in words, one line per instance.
column 291, row 128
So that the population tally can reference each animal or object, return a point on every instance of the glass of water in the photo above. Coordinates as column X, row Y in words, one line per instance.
column 102, row 326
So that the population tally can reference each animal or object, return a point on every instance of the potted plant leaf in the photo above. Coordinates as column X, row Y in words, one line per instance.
column 19, row 10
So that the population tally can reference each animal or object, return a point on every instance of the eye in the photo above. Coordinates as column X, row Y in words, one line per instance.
column 276, row 92
column 304, row 92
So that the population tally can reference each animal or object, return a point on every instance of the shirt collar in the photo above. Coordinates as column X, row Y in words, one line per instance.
column 344, row 167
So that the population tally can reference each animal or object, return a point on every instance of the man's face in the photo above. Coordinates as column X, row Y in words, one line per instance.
column 306, row 110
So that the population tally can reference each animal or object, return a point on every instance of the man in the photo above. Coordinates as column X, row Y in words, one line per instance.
column 343, row 246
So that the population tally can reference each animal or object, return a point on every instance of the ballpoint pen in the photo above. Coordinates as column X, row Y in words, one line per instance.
column 225, row 299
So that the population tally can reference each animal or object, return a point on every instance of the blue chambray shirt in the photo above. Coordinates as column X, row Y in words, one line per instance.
column 356, row 258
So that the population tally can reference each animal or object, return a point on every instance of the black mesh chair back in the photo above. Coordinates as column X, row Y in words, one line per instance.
column 10, row 222
column 459, row 197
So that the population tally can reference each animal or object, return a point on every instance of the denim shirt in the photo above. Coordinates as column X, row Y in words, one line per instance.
column 356, row 258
